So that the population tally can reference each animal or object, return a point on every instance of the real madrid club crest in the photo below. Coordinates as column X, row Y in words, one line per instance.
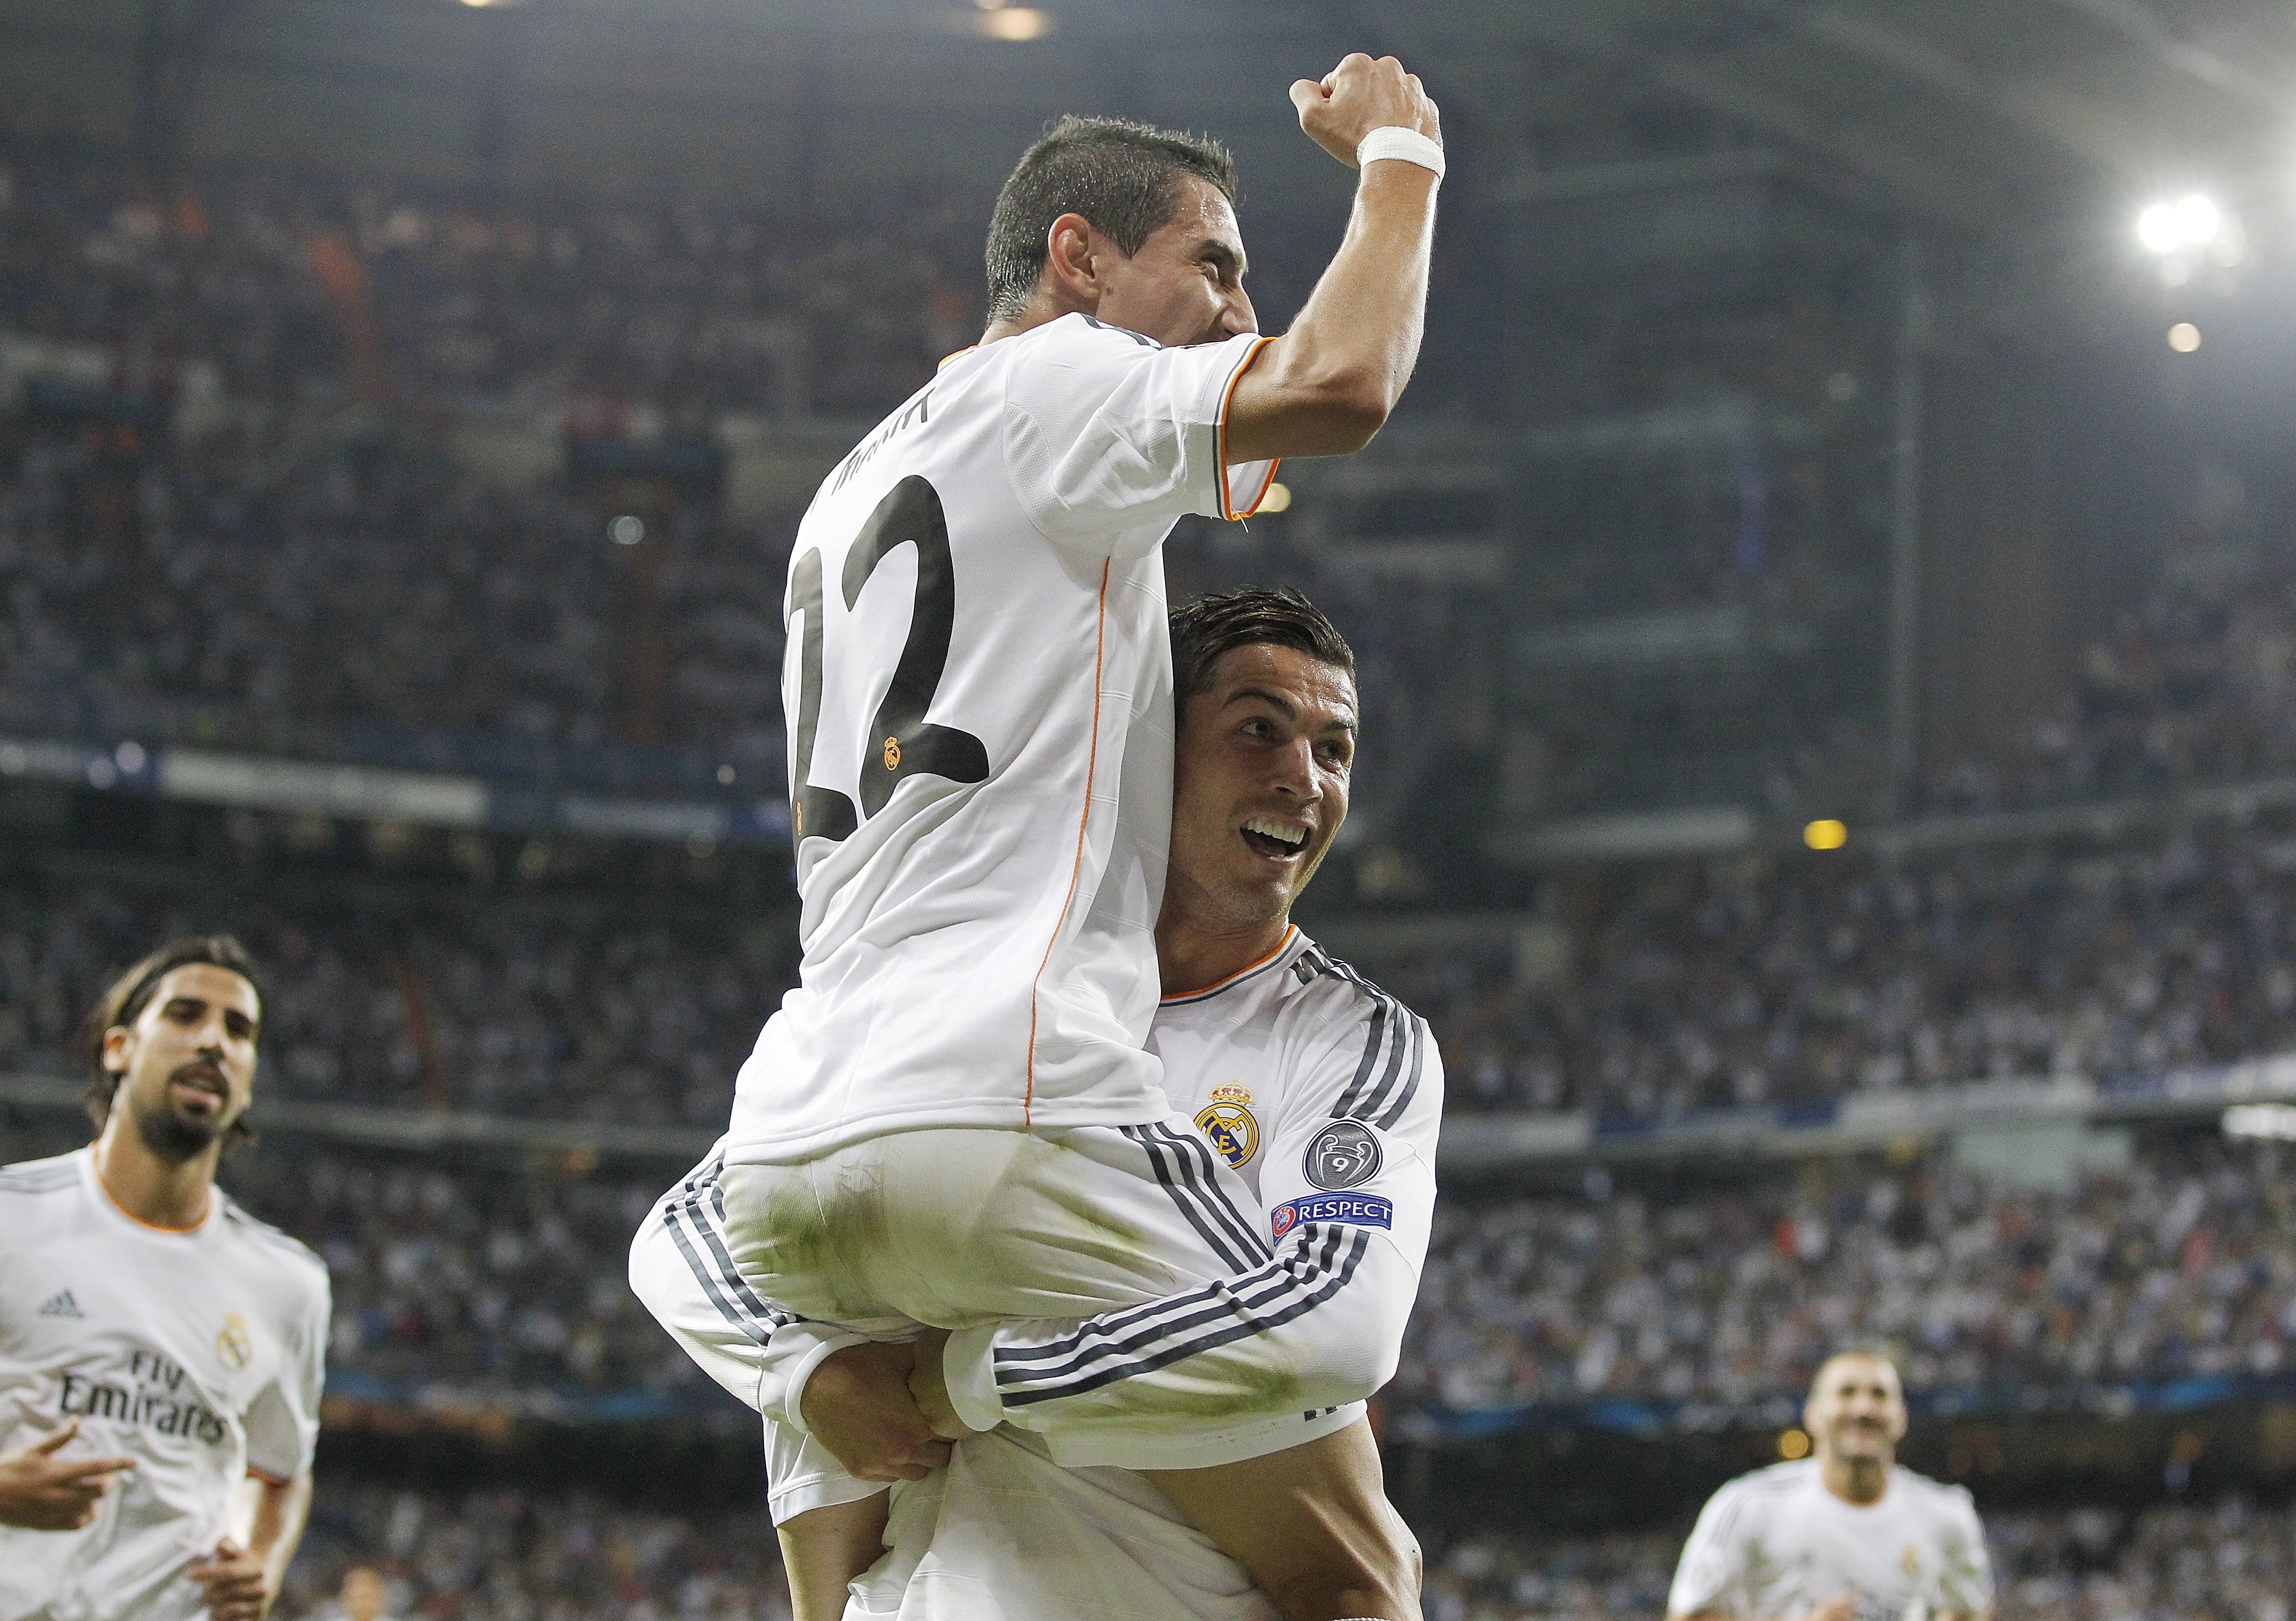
column 1227, row 1121
column 234, row 1346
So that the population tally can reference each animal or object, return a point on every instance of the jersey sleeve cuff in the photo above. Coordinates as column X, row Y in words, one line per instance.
column 789, row 1407
column 267, row 1478
column 1242, row 488
column 785, row 1500
column 968, row 1366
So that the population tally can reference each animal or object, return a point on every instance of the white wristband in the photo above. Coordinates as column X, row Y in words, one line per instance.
column 1394, row 141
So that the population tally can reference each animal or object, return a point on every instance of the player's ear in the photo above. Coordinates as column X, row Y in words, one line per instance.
column 1071, row 250
column 115, row 1051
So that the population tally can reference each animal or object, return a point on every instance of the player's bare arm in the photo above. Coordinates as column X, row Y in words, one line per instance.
column 40, row 1490
column 1327, row 385
column 823, row 1549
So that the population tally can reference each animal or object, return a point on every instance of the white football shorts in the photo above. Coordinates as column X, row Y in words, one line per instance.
column 1005, row 1534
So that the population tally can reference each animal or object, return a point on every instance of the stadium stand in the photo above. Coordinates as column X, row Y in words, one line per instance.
column 2083, row 1564
column 524, row 1555
column 498, row 1283
column 1693, row 986
column 508, row 1555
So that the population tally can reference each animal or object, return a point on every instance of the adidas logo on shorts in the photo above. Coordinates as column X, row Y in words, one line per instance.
column 60, row 1304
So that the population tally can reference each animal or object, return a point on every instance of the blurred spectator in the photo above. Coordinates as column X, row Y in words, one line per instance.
column 515, row 1556
column 485, row 1277
column 501, row 1555
column 551, row 1012
column 2183, row 1263
column 2229, row 1560
column 1768, row 981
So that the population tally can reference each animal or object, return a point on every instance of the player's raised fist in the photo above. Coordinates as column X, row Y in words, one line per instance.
column 1359, row 96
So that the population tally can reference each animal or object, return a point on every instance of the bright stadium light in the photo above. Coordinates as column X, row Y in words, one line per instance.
column 2260, row 1120
column 2156, row 228
column 1826, row 834
column 1014, row 22
column 2198, row 219
column 2190, row 222
column 1279, row 498
column 2183, row 337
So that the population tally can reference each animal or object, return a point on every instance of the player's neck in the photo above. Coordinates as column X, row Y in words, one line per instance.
column 151, row 1188
column 1046, row 305
column 1195, row 954
column 1857, row 1481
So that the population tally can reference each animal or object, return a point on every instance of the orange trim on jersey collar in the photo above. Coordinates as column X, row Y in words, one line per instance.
column 1291, row 933
column 952, row 354
column 96, row 1175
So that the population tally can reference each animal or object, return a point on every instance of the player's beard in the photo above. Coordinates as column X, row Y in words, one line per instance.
column 174, row 1136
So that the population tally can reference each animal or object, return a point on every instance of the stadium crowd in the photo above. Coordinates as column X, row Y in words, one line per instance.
column 2192, row 687
column 2180, row 1264
column 1689, row 987
column 508, row 1555
column 501, row 1279
column 1767, row 981
column 2228, row 1559
column 285, row 284
column 558, row 1012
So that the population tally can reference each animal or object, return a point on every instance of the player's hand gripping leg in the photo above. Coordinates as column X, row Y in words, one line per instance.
column 1313, row 1526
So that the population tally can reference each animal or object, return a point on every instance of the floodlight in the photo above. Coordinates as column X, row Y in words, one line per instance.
column 2183, row 337
column 2189, row 222
column 2198, row 219
column 1015, row 23
column 2157, row 229
column 2260, row 1120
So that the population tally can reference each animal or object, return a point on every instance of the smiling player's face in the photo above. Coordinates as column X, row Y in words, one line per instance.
column 1259, row 784
column 189, row 1058
column 1856, row 1410
column 1185, row 285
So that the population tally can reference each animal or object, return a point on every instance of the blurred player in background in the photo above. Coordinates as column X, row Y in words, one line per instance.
column 1843, row 1534
column 160, row 1350
column 365, row 1596
column 952, row 1122
column 1323, row 1093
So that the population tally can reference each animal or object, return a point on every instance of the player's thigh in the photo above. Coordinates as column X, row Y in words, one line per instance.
column 957, row 1227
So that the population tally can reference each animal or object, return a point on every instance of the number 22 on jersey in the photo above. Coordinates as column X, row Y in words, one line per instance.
column 901, row 742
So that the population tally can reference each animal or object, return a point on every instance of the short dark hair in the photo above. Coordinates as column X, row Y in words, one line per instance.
column 1123, row 176
column 1254, row 616
column 131, row 993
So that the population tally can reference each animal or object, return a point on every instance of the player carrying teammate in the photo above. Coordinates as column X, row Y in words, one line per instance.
column 1843, row 1535
column 952, row 1121
column 1323, row 1093
column 160, row 1350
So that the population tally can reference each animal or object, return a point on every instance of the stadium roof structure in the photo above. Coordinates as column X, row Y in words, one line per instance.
column 1985, row 113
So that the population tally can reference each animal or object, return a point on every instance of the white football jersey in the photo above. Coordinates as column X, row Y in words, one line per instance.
column 201, row 1354
column 1326, row 1096
column 979, row 693
column 1777, row 1541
